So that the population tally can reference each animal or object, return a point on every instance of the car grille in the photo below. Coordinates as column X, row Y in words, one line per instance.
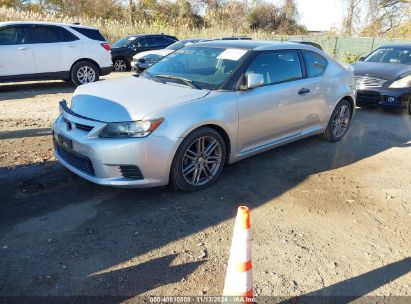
column 76, row 160
column 368, row 81
column 84, row 127
column 368, row 97
column 132, row 172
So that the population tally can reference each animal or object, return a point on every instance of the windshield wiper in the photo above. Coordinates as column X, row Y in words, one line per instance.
column 185, row 81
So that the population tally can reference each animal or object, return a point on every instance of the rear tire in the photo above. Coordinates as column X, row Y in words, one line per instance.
column 339, row 122
column 84, row 72
column 199, row 160
column 120, row 65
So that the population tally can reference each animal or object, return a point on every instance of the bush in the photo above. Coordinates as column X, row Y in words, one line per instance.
column 350, row 57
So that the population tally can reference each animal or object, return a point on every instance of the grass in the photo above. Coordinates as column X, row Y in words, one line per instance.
column 114, row 30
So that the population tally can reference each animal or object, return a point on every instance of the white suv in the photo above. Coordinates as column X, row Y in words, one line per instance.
column 43, row 50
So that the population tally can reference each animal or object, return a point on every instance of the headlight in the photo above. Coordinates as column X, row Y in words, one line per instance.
column 402, row 83
column 140, row 128
column 152, row 60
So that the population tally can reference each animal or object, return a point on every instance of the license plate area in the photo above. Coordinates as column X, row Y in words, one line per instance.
column 64, row 142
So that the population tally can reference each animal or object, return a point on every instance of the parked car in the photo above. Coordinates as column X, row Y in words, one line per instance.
column 200, row 108
column 144, row 60
column 44, row 50
column 314, row 44
column 123, row 50
column 384, row 77
column 234, row 38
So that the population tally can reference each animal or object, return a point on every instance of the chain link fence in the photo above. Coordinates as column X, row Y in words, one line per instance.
column 346, row 48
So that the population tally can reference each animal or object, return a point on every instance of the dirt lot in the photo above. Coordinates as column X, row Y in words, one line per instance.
column 327, row 219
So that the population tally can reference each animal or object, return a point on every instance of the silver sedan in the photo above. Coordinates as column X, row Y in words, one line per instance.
column 200, row 108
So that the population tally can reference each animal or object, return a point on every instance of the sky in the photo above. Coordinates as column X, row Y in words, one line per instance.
column 319, row 15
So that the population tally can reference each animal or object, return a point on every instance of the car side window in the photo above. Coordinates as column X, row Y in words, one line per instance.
column 144, row 42
column 315, row 63
column 158, row 41
column 50, row 34
column 14, row 35
column 277, row 66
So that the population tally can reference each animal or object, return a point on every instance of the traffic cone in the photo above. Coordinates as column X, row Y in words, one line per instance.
column 239, row 278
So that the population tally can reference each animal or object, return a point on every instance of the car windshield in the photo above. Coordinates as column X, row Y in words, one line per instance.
column 204, row 67
column 177, row 45
column 125, row 42
column 390, row 55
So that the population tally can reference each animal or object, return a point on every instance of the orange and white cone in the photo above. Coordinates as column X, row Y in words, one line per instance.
column 239, row 278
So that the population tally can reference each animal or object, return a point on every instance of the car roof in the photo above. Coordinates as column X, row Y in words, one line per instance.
column 193, row 39
column 398, row 45
column 45, row 23
column 257, row 45
column 145, row 35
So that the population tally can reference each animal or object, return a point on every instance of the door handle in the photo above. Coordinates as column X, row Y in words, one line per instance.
column 22, row 48
column 72, row 46
column 303, row 91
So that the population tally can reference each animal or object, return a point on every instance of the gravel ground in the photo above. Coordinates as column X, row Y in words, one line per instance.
column 327, row 219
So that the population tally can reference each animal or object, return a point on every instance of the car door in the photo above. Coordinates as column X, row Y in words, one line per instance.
column 55, row 49
column 278, row 110
column 16, row 55
column 141, row 45
column 319, row 88
column 160, row 42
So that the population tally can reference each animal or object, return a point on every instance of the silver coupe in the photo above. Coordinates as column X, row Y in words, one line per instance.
column 200, row 108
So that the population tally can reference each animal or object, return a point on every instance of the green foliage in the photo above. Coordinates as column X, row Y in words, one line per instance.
column 350, row 57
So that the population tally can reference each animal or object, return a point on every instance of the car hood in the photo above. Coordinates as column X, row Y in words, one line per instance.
column 129, row 98
column 389, row 71
column 162, row 52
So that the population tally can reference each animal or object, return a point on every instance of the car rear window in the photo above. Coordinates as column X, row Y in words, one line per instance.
column 315, row 63
column 89, row 33
column 50, row 34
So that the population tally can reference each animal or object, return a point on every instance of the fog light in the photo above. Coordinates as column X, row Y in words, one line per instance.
column 391, row 99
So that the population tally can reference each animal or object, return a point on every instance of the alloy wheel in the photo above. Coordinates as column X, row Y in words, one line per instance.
column 120, row 65
column 341, row 121
column 86, row 74
column 201, row 161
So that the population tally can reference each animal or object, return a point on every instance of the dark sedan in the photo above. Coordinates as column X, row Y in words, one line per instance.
column 123, row 50
column 384, row 77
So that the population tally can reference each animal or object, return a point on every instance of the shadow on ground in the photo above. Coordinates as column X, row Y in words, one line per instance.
column 349, row 290
column 93, row 228
column 18, row 90
column 15, row 134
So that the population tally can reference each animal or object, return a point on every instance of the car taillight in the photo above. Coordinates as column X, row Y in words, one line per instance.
column 106, row 46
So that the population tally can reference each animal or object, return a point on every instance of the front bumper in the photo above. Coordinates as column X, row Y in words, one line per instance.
column 384, row 97
column 139, row 66
column 102, row 160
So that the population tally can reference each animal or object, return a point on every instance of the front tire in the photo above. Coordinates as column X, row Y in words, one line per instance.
column 84, row 72
column 339, row 122
column 199, row 160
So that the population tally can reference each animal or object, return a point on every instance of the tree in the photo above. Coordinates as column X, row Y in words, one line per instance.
column 386, row 15
column 264, row 16
column 131, row 10
column 351, row 17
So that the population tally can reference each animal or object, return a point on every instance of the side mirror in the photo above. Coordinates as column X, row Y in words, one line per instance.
column 254, row 80
column 361, row 58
